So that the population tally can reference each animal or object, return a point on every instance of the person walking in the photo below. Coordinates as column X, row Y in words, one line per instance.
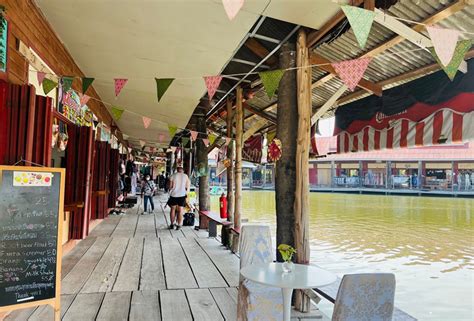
column 161, row 181
column 167, row 183
column 148, row 191
column 179, row 188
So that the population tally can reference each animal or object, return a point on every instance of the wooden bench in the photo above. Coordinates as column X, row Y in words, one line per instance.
column 213, row 220
column 329, row 292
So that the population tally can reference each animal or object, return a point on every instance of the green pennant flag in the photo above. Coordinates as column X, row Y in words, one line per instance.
column 212, row 138
column 116, row 112
column 48, row 85
column 67, row 83
column 184, row 141
column 270, row 137
column 86, row 82
column 361, row 22
column 271, row 80
column 452, row 68
column 172, row 130
column 187, row 150
column 162, row 86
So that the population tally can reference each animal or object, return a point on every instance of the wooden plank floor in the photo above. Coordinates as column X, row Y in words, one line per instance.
column 131, row 267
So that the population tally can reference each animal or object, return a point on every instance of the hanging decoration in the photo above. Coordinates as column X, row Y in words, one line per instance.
column 227, row 141
column 119, row 84
column 55, row 135
column 172, row 130
column 142, row 143
column 86, row 82
column 173, row 148
column 84, row 99
column 212, row 138
column 162, row 85
column 40, row 76
column 361, row 22
column 232, row 7
column 212, row 83
column 116, row 112
column 194, row 135
column 271, row 80
column 206, row 142
column 270, row 137
column 48, row 85
column 274, row 150
column 184, row 141
column 444, row 42
column 352, row 71
column 66, row 83
column 146, row 121
column 452, row 68
column 161, row 138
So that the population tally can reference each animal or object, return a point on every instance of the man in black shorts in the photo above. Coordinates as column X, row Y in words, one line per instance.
column 179, row 188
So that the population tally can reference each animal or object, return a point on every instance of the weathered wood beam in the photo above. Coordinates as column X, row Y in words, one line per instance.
column 266, row 109
column 317, row 35
column 369, row 5
column 328, row 104
column 317, row 59
column 260, row 113
column 230, row 169
column 259, row 50
column 254, row 128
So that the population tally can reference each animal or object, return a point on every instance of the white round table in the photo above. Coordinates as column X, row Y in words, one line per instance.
column 302, row 277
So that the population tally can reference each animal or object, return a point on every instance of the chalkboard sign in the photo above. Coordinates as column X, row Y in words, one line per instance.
column 31, row 207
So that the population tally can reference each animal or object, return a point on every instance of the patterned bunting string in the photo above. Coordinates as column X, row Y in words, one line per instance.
column 40, row 75
column 212, row 83
column 212, row 138
column 205, row 141
column 444, row 42
column 86, row 82
column 172, row 130
column 48, row 85
column 162, row 86
column 270, row 137
column 119, row 84
column 184, row 141
column 116, row 112
column 84, row 99
column 271, row 80
column 232, row 7
column 146, row 121
column 194, row 135
column 352, row 71
column 361, row 22
column 67, row 83
column 452, row 68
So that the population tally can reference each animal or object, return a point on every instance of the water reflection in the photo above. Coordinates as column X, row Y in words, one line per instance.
column 426, row 242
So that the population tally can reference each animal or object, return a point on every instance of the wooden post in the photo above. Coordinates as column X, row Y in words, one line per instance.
column 301, row 208
column 239, row 131
column 230, row 169
column 202, row 164
column 285, row 173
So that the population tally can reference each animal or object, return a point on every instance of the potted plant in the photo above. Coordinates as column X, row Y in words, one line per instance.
column 287, row 252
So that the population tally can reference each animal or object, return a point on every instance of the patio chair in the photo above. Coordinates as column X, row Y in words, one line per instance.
column 368, row 297
column 255, row 301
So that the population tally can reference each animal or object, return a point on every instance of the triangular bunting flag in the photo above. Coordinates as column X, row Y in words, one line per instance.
column 161, row 138
column 48, row 85
column 227, row 141
column 194, row 135
column 173, row 148
column 212, row 138
column 205, row 141
column 184, row 140
column 361, row 22
column 232, row 7
column 86, row 82
column 352, row 71
column 451, row 69
column 40, row 75
column 271, row 80
column 270, row 137
column 67, row 83
column 187, row 150
column 119, row 84
column 444, row 42
column 212, row 83
column 129, row 149
column 142, row 143
column 146, row 121
column 172, row 130
column 116, row 112
column 162, row 86
column 84, row 99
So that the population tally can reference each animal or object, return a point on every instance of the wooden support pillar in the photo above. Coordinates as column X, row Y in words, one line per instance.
column 239, row 131
column 285, row 172
column 202, row 165
column 230, row 169
column 301, row 206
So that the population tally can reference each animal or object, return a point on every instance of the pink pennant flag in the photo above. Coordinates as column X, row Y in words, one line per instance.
column 212, row 83
column 352, row 71
column 444, row 42
column 40, row 76
column 205, row 141
column 142, row 143
column 194, row 135
column 119, row 84
column 161, row 138
column 227, row 141
column 232, row 7
column 84, row 99
column 173, row 148
column 129, row 149
column 146, row 121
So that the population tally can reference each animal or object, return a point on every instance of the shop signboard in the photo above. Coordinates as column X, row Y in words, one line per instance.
column 70, row 106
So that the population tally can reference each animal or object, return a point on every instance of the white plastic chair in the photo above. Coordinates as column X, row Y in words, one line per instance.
column 368, row 297
column 257, row 302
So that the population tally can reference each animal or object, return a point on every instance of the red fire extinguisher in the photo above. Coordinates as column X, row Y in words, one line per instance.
column 223, row 205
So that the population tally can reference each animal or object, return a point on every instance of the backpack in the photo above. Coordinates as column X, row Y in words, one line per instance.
column 188, row 219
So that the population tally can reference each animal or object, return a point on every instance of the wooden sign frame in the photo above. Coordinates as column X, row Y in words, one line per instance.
column 55, row 302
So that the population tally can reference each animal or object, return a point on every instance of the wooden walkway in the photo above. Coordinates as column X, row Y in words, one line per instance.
column 132, row 267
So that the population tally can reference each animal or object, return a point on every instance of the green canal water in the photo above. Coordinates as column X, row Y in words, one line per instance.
column 428, row 243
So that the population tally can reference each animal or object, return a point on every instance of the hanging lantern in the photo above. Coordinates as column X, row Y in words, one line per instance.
column 274, row 150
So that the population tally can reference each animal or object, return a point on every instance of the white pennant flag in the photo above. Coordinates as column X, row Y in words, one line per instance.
column 444, row 42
